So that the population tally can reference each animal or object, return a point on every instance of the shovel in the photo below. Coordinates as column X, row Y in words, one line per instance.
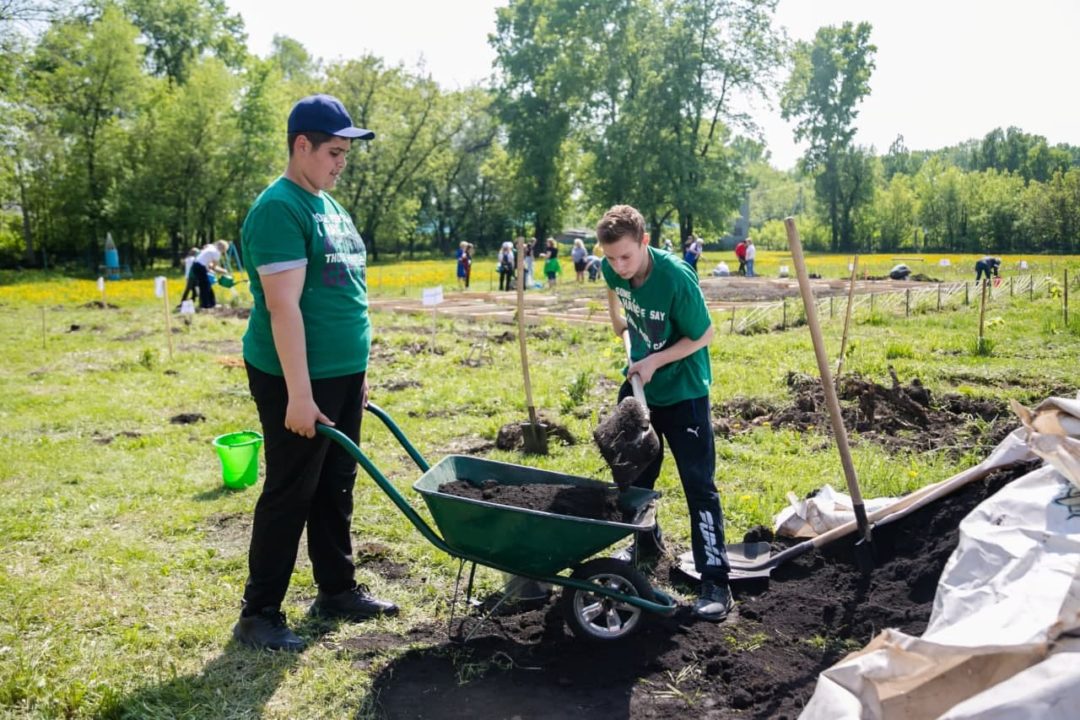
column 626, row 438
column 533, row 433
column 863, row 550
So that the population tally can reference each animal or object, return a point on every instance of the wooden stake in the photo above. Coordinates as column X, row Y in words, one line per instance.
column 42, row 327
column 982, row 311
column 939, row 297
column 732, row 330
column 1066, row 297
column 847, row 315
column 168, row 318
column 783, row 319
column 907, row 302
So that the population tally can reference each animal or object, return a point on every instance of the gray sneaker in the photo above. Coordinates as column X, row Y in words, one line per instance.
column 715, row 601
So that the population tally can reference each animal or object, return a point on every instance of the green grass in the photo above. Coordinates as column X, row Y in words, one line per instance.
column 124, row 559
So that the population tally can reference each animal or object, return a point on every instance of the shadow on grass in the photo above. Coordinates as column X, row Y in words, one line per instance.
column 217, row 493
column 237, row 683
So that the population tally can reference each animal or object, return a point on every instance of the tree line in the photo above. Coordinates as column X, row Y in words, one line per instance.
column 150, row 120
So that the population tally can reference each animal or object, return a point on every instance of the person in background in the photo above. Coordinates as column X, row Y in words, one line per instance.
column 470, row 249
column 462, row 260
column 506, row 262
column 593, row 262
column 667, row 244
column 206, row 262
column 552, row 269
column 306, row 351
column 985, row 266
column 693, row 252
column 740, row 255
column 191, row 285
column 751, row 254
column 527, row 262
column 578, row 254
column 899, row 272
column 657, row 299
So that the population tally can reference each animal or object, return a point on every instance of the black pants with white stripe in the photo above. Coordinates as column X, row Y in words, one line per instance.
column 687, row 428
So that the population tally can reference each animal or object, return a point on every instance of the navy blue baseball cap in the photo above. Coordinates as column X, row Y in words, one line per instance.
column 325, row 114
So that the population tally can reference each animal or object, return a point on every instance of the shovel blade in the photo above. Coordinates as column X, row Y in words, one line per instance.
column 742, row 558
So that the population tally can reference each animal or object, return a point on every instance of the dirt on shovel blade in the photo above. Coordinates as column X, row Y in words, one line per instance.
column 625, row 442
column 594, row 503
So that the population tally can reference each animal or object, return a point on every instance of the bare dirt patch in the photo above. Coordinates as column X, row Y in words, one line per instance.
column 901, row 417
column 187, row 418
column 512, row 435
column 762, row 663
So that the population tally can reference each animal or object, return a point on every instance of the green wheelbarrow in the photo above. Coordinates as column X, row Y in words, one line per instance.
column 602, row 599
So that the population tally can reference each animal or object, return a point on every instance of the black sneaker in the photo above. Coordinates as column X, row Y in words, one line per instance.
column 715, row 601
column 267, row 630
column 355, row 604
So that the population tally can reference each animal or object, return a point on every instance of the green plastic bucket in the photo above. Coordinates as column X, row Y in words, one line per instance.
column 239, row 455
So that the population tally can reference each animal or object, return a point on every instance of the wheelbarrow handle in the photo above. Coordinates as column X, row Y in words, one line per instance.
column 397, row 433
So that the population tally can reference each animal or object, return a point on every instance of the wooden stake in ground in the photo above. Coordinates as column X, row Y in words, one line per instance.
column 168, row 317
column 1066, row 297
column 982, row 312
column 831, row 401
column 847, row 315
column 533, row 435
column 42, row 327
column 101, row 287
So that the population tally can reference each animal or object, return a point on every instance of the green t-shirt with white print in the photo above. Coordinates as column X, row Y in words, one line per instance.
column 289, row 227
column 666, row 308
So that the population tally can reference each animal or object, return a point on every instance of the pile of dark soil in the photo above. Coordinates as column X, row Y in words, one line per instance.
column 594, row 503
column 512, row 435
column 900, row 417
column 762, row 663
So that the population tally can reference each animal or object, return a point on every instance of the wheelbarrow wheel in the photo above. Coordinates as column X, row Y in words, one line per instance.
column 595, row 617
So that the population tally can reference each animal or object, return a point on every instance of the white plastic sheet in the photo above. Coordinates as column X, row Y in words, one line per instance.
column 1000, row 639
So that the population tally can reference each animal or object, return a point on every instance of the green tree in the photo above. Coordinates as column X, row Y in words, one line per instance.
column 830, row 77
column 88, row 77
column 178, row 33
column 895, row 211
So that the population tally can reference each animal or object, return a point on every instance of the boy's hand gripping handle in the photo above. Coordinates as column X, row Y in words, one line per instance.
column 635, row 381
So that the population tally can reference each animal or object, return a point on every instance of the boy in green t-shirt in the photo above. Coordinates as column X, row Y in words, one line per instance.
column 670, row 330
column 306, row 351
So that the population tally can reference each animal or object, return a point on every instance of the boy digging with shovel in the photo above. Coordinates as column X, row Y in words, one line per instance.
column 670, row 331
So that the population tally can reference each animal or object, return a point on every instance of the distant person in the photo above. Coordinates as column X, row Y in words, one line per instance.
column 740, row 255
column 592, row 266
column 462, row 260
column 206, row 262
column 469, row 250
column 986, row 266
column 191, row 285
column 751, row 254
column 721, row 270
column 552, row 269
column 578, row 253
column 667, row 245
column 693, row 251
column 899, row 272
column 527, row 262
column 306, row 350
column 506, row 266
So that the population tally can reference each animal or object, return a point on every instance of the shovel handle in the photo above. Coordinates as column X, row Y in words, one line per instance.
column 635, row 380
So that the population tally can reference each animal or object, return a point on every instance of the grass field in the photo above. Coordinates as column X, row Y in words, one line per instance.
column 124, row 558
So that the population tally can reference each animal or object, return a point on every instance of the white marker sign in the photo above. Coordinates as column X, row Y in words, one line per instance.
column 159, row 286
column 187, row 307
column 944, row 262
column 432, row 296
column 101, row 284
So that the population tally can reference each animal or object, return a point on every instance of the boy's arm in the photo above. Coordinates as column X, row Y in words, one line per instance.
column 283, row 292
column 685, row 347
column 615, row 313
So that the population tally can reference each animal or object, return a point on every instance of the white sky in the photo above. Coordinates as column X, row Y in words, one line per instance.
column 947, row 70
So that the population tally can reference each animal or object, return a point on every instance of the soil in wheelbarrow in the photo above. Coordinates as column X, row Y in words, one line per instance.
column 762, row 663
column 594, row 503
